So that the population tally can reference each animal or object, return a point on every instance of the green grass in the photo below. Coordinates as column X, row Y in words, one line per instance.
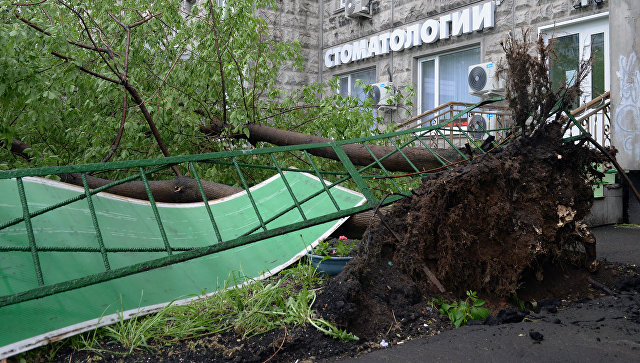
column 248, row 307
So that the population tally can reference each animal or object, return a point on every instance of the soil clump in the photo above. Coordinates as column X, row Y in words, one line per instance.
column 490, row 225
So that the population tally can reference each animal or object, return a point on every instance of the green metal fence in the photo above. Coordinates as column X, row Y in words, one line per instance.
column 365, row 179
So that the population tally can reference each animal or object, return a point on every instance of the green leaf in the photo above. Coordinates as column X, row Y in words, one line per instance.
column 479, row 313
column 478, row 302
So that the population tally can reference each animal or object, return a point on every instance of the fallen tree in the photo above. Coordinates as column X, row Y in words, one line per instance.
column 483, row 226
column 488, row 225
column 177, row 190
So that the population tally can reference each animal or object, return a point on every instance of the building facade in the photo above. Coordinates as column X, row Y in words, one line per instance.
column 442, row 38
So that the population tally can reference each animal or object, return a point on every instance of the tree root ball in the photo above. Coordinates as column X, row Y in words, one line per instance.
column 480, row 226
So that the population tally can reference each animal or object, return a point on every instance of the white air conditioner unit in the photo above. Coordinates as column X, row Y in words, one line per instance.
column 381, row 93
column 482, row 80
column 357, row 9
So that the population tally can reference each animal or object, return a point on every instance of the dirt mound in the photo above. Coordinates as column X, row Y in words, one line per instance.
column 484, row 226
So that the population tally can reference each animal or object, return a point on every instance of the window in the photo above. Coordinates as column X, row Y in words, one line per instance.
column 349, row 85
column 564, row 65
column 443, row 78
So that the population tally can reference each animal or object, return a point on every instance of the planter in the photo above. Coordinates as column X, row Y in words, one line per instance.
column 331, row 266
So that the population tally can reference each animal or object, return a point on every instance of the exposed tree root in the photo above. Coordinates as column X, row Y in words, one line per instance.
column 481, row 226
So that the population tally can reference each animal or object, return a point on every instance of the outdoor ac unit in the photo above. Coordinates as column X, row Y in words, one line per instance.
column 381, row 93
column 483, row 80
column 357, row 9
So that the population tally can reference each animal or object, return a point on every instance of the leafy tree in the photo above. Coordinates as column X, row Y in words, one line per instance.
column 95, row 81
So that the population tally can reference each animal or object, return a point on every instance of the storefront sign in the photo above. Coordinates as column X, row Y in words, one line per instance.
column 465, row 21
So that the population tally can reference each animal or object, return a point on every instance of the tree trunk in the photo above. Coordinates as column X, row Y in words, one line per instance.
column 18, row 148
column 185, row 190
column 178, row 190
column 422, row 158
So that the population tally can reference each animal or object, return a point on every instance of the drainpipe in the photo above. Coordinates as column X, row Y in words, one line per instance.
column 321, row 5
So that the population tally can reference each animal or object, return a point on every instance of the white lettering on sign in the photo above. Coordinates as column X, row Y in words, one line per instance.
column 345, row 53
column 473, row 19
column 413, row 36
column 461, row 22
column 430, row 31
column 384, row 42
column 444, row 26
column 398, row 37
column 374, row 45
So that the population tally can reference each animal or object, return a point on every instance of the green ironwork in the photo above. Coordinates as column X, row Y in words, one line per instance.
column 384, row 170
column 286, row 183
column 32, row 239
column 357, row 178
column 246, row 188
column 404, row 156
column 214, row 225
column 348, row 173
column 152, row 201
column 94, row 219
column 321, row 180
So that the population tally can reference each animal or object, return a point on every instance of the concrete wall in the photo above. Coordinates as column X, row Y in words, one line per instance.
column 389, row 15
column 625, row 81
column 297, row 20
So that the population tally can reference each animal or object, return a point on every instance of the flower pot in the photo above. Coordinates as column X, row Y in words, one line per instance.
column 331, row 266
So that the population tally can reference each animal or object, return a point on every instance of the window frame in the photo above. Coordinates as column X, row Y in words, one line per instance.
column 351, row 84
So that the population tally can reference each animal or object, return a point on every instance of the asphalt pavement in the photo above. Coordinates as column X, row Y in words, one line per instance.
column 595, row 331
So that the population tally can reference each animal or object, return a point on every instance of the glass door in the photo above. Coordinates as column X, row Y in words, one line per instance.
column 578, row 41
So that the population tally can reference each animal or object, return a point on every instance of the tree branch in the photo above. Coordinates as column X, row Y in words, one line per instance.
column 30, row 4
column 73, row 42
column 86, row 29
column 140, row 22
column 90, row 47
column 116, row 143
column 86, row 70
column 18, row 148
column 154, row 130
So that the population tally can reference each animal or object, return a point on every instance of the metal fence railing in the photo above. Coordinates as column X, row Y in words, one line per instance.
column 594, row 117
column 488, row 119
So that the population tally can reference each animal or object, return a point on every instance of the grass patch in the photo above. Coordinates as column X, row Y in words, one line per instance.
column 248, row 307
